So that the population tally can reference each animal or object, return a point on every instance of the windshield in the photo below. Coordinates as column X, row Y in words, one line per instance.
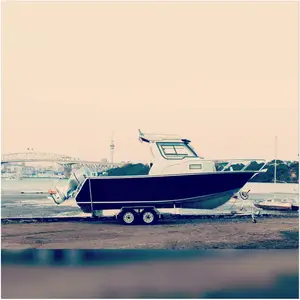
column 178, row 150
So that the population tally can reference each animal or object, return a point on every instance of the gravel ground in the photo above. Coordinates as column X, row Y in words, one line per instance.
column 267, row 233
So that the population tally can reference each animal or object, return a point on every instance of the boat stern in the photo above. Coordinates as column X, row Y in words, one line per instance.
column 63, row 193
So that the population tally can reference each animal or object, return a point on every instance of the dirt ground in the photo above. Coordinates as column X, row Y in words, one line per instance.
column 267, row 233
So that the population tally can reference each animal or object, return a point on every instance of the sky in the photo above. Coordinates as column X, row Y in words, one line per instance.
column 224, row 75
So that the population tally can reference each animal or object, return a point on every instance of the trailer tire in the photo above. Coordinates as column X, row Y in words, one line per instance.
column 128, row 217
column 149, row 217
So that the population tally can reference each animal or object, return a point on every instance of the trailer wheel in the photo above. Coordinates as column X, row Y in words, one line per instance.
column 149, row 217
column 128, row 217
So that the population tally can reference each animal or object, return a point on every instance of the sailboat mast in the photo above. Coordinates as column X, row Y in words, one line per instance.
column 275, row 163
column 112, row 148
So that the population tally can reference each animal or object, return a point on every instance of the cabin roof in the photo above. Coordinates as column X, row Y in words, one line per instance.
column 154, row 137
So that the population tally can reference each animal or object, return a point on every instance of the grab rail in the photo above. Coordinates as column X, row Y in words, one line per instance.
column 243, row 164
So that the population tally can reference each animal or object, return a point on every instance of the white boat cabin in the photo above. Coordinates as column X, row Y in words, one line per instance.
column 174, row 155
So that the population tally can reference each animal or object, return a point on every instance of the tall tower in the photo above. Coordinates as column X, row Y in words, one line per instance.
column 112, row 149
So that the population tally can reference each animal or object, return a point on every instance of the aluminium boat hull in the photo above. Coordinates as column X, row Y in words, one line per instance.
column 197, row 191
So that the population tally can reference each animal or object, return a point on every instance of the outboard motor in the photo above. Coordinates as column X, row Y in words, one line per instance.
column 76, row 179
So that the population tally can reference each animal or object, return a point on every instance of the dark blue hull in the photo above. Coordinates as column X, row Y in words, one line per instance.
column 202, row 190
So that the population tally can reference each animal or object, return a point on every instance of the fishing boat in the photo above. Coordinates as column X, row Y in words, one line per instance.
column 178, row 178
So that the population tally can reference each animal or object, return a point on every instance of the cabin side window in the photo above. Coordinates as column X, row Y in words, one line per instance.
column 175, row 150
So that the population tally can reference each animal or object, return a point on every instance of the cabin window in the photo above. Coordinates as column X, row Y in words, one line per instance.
column 169, row 150
column 175, row 150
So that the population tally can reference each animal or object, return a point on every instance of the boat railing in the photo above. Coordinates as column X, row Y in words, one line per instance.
column 239, row 165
